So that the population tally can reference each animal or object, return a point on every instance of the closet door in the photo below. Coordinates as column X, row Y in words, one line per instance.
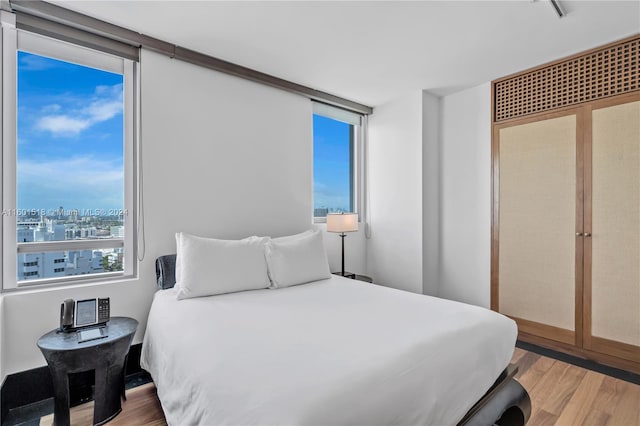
column 538, row 184
column 612, row 230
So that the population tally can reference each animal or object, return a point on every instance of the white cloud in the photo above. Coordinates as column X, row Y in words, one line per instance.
column 77, row 182
column 62, row 124
column 103, row 89
column 51, row 108
column 103, row 110
column 324, row 196
column 35, row 63
column 319, row 186
column 104, row 105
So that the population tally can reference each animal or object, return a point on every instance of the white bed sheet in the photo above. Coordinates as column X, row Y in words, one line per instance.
column 332, row 352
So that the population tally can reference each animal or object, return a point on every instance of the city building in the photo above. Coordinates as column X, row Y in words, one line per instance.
column 33, row 266
column 117, row 231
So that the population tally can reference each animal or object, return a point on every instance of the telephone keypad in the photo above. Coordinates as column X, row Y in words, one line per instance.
column 103, row 310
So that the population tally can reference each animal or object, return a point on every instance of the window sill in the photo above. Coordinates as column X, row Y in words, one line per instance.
column 61, row 284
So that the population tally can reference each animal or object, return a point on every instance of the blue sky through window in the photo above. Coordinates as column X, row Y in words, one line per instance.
column 331, row 164
column 70, row 136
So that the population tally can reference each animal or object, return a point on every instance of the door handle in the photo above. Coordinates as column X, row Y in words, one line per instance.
column 587, row 234
column 578, row 234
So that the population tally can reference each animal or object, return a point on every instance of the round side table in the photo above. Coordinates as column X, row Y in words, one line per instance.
column 107, row 356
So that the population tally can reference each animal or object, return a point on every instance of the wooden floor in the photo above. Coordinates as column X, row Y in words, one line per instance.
column 561, row 394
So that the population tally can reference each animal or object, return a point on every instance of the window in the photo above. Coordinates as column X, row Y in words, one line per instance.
column 70, row 160
column 336, row 148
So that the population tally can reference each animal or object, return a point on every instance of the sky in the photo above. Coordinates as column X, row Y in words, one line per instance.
column 70, row 136
column 330, row 164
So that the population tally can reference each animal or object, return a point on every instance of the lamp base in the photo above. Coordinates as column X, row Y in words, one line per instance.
column 346, row 274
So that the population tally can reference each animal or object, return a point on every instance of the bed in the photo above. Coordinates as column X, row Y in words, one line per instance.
column 331, row 352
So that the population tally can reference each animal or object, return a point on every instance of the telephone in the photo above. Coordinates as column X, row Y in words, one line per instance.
column 75, row 314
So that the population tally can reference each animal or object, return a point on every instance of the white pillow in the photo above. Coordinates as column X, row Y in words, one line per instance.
column 299, row 260
column 209, row 266
column 294, row 236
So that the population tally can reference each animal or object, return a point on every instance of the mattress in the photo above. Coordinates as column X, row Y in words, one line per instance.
column 331, row 352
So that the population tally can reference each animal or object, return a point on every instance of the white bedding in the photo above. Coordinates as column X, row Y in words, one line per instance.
column 332, row 352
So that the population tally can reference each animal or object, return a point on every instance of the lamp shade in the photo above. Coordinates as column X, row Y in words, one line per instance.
column 342, row 222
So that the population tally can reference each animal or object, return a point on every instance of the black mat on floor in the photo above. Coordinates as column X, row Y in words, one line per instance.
column 627, row 376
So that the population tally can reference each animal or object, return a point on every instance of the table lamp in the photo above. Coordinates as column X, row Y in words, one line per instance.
column 342, row 222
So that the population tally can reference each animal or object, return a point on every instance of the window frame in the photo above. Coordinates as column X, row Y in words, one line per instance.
column 357, row 157
column 13, row 40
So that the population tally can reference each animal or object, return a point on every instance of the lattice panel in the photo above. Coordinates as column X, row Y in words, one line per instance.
column 610, row 71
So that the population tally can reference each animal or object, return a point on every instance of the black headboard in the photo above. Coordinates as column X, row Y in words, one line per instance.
column 166, row 271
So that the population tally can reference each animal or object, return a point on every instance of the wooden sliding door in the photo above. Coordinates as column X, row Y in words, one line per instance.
column 612, row 267
column 538, row 190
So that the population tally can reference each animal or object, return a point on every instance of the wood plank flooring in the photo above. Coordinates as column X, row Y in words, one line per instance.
column 561, row 394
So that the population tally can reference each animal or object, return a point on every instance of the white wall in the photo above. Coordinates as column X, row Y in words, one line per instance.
column 465, row 196
column 394, row 251
column 218, row 157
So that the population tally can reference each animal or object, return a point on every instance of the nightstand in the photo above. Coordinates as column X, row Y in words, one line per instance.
column 354, row 276
column 107, row 356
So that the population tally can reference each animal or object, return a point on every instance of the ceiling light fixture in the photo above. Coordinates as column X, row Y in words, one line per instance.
column 557, row 8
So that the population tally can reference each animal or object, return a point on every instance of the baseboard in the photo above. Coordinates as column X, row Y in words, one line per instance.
column 31, row 391
column 618, row 373
column 25, row 388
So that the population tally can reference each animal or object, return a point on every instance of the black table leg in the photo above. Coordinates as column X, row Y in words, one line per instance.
column 107, row 393
column 123, row 378
column 61, row 416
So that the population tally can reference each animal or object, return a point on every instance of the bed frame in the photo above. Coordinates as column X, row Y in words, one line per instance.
column 505, row 403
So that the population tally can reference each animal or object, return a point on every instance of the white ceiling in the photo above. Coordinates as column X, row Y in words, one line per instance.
column 372, row 52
